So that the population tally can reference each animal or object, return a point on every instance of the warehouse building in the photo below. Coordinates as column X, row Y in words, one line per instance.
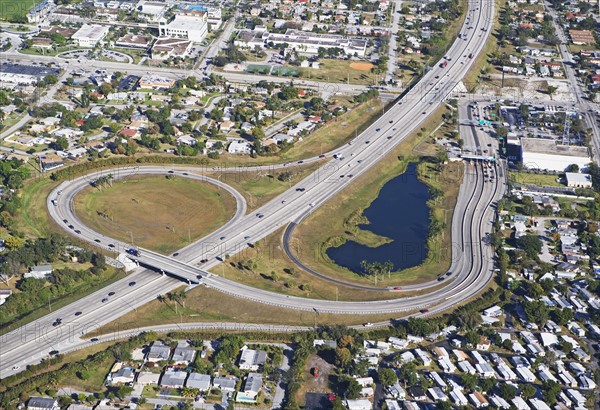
column 577, row 180
column 549, row 155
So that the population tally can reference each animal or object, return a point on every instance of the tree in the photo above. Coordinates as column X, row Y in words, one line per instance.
column 536, row 312
column 507, row 391
column 527, row 391
column 387, row 376
column 469, row 381
column 487, row 384
column 353, row 390
column 408, row 374
column 551, row 90
column 531, row 244
column 61, row 144
column 471, row 337
column 343, row 357
column 572, row 168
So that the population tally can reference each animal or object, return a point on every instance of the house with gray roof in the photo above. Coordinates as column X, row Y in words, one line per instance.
column 158, row 352
column 252, row 359
column 184, row 354
column 225, row 383
column 251, row 388
column 173, row 378
column 198, row 381
column 42, row 403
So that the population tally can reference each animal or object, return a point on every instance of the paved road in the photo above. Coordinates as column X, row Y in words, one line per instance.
column 472, row 220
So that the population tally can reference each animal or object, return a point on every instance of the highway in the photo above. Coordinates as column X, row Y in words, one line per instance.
column 472, row 220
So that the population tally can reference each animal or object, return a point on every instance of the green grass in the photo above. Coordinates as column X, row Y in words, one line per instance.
column 32, row 218
column 535, row 179
column 11, row 10
column 158, row 213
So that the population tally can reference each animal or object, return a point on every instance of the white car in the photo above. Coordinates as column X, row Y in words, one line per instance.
column 368, row 324
column 15, row 367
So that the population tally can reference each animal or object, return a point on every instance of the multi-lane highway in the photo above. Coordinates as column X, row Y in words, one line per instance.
column 471, row 265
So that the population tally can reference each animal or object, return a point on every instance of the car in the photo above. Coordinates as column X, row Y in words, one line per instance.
column 203, row 260
column 71, row 227
column 389, row 137
column 65, row 221
column 342, row 176
column 378, row 129
column 397, row 288
column 184, row 173
column 437, row 76
column 111, row 293
column 176, row 254
column 424, row 310
column 246, row 237
column 97, row 240
column 15, row 367
column 350, row 176
column 367, row 142
column 104, row 300
column 94, row 339
column 77, row 313
column 77, row 231
column 449, row 273
column 368, row 324
column 222, row 237
column 322, row 156
column 441, row 278
column 53, row 352
column 391, row 121
column 171, row 172
column 132, row 283
column 300, row 162
column 283, row 202
column 260, row 216
column 111, row 245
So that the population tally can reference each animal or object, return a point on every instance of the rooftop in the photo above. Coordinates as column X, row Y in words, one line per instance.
column 550, row 147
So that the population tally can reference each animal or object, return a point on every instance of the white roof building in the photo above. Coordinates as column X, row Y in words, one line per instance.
column 193, row 28
column 89, row 35
column 547, row 154
column 577, row 180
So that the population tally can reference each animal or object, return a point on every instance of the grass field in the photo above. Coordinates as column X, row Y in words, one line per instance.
column 536, row 179
column 32, row 218
column 15, row 9
column 159, row 213
column 337, row 132
column 338, row 71
column 209, row 305
column 258, row 188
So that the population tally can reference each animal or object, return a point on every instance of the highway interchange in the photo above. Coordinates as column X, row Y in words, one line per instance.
column 472, row 262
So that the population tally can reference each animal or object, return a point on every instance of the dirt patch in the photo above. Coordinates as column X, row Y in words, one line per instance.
column 361, row 66
column 319, row 384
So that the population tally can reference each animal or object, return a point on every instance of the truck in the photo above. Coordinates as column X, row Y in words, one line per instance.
column 444, row 64
column 339, row 155
column 134, row 252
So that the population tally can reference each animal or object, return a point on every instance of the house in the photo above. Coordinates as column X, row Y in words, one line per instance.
column 42, row 403
column 183, row 354
column 121, row 374
column 458, row 398
column 198, row 381
column 478, row 400
column 251, row 388
column 225, row 383
column 146, row 378
column 494, row 311
column 158, row 352
column 358, row 405
column 4, row 294
column 239, row 146
column 173, row 378
column 538, row 404
column 39, row 272
column 484, row 344
column 417, row 393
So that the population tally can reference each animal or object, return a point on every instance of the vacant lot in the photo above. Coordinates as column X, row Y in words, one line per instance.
column 155, row 212
column 340, row 71
column 536, row 179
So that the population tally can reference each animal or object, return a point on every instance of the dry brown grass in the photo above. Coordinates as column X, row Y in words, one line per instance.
column 158, row 213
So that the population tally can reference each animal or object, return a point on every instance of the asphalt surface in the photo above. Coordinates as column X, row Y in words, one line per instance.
column 472, row 220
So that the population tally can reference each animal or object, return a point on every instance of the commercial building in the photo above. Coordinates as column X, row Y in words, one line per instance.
column 155, row 82
column 165, row 48
column 577, row 180
column 580, row 37
column 133, row 41
column 190, row 27
column 549, row 155
column 89, row 35
column 302, row 41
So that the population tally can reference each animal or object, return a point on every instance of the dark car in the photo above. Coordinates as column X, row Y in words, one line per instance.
column 65, row 221
column 378, row 129
column 111, row 245
column 322, row 156
column 77, row 231
column 53, row 352
column 176, row 254
column 300, row 162
column 391, row 121
column 77, row 313
column 97, row 240
column 131, row 283
column 366, row 142
column 94, row 339
column 171, row 172
column 71, row 226
column 185, row 173
column 424, row 310
column 203, row 260
column 389, row 137
column 104, row 300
